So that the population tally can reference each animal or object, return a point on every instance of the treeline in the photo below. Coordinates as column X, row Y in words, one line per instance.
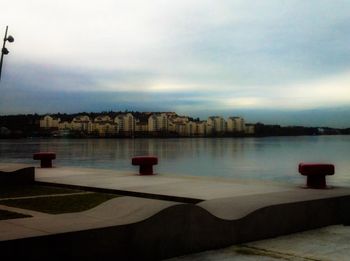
column 262, row 130
column 277, row 130
column 17, row 126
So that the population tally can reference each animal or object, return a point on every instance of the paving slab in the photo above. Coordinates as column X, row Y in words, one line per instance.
column 202, row 188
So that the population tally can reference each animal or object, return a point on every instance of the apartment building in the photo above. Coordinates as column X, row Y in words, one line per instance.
column 103, row 125
column 191, row 128
column 64, row 125
column 81, row 123
column 235, row 124
column 216, row 124
column 127, row 124
column 158, row 122
column 202, row 128
column 49, row 122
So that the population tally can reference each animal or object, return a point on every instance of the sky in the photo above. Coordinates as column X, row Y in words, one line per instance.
column 270, row 61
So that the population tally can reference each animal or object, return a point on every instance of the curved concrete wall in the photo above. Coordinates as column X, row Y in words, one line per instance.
column 180, row 229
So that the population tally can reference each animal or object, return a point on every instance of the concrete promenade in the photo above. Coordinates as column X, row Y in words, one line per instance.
column 197, row 188
column 164, row 216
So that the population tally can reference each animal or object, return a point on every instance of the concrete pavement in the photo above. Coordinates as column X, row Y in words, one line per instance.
column 324, row 244
column 228, row 212
column 201, row 188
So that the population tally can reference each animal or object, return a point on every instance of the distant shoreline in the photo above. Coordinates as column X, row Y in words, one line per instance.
column 22, row 126
column 168, row 137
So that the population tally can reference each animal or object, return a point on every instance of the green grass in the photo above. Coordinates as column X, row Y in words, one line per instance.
column 60, row 204
column 4, row 214
column 32, row 190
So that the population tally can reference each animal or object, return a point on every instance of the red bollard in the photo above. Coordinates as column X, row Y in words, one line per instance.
column 45, row 158
column 146, row 164
column 316, row 174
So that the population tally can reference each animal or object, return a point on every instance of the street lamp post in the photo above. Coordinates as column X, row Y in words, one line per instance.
column 4, row 51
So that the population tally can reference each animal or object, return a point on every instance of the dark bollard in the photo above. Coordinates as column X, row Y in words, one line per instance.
column 316, row 174
column 146, row 164
column 45, row 158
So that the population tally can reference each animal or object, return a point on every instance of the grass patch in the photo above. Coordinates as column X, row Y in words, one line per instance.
column 32, row 190
column 60, row 204
column 4, row 214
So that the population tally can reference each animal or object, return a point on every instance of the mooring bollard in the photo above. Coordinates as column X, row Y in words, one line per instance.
column 146, row 164
column 316, row 174
column 45, row 158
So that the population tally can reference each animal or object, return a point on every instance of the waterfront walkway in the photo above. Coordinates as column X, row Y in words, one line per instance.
column 159, row 185
column 164, row 216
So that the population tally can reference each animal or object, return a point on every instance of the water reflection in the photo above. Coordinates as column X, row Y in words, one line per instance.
column 265, row 158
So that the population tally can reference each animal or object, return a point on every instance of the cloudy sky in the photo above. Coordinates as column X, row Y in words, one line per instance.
column 273, row 61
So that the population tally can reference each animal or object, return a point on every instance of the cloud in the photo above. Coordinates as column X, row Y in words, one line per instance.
column 240, row 41
column 327, row 91
column 178, row 55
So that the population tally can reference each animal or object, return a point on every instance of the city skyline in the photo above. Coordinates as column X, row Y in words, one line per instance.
column 283, row 62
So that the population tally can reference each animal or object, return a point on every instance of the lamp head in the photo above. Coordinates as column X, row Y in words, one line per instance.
column 10, row 39
column 5, row 51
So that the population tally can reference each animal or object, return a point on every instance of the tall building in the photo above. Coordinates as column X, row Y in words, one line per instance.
column 235, row 124
column 126, row 123
column 158, row 122
column 191, row 128
column 202, row 128
column 64, row 125
column 103, row 125
column 216, row 124
column 49, row 122
column 81, row 123
column 129, row 122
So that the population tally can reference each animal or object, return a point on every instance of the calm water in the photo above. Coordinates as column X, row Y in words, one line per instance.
column 274, row 158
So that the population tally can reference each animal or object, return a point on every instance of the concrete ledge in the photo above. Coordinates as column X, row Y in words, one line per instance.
column 174, row 229
column 16, row 175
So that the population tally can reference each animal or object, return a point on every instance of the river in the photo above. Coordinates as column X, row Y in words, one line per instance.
column 270, row 158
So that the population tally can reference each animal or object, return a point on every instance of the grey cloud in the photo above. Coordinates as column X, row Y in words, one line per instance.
column 279, row 42
column 226, row 49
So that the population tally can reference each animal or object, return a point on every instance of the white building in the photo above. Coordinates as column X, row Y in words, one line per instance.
column 178, row 124
column 81, row 123
column 103, row 125
column 141, row 126
column 105, row 128
column 129, row 122
column 202, row 128
column 191, row 128
column 235, row 124
column 64, row 125
column 103, row 118
column 180, row 128
column 158, row 122
column 49, row 122
column 126, row 122
column 216, row 124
